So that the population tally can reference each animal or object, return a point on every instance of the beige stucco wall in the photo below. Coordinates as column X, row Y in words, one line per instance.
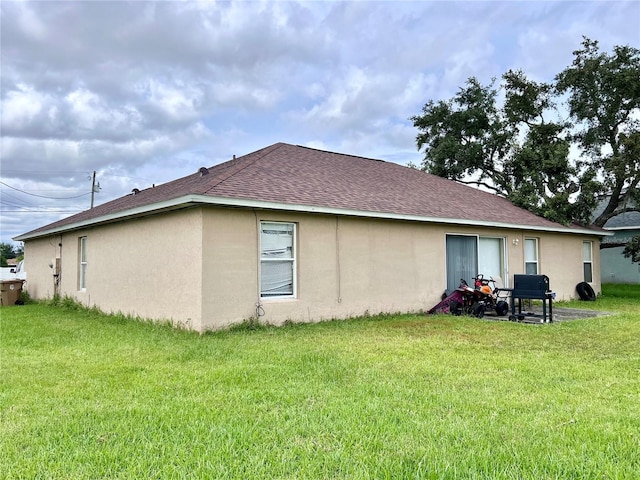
column 150, row 267
column 350, row 266
column 38, row 254
column 199, row 267
column 345, row 266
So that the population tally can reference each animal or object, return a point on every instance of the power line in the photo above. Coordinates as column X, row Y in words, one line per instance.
column 11, row 204
column 45, row 172
column 55, row 189
column 24, row 208
column 4, row 195
column 43, row 196
column 40, row 211
column 83, row 172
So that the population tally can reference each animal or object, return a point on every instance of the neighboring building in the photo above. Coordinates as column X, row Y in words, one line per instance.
column 615, row 267
column 293, row 233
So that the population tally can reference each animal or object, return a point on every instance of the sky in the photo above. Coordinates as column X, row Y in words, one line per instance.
column 146, row 92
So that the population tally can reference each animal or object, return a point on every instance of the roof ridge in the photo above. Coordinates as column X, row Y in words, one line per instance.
column 234, row 171
column 341, row 154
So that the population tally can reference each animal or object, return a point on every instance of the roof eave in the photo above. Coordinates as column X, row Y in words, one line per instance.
column 630, row 227
column 152, row 208
column 190, row 200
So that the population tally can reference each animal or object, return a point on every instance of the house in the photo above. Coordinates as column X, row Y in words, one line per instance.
column 291, row 233
column 615, row 267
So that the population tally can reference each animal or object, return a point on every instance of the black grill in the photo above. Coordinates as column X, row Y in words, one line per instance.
column 531, row 287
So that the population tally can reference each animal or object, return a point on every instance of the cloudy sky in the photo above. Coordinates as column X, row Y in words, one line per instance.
column 145, row 92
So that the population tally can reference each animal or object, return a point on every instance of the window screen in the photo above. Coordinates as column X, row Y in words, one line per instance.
column 82, row 264
column 277, row 259
column 531, row 256
column 587, row 261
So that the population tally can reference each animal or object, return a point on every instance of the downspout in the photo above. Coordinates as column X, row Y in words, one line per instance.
column 57, row 270
column 338, row 273
column 259, row 307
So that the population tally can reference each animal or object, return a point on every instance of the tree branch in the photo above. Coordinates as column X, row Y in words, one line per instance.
column 482, row 184
column 614, row 214
column 612, row 245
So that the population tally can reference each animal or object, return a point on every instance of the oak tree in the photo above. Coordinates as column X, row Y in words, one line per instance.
column 557, row 148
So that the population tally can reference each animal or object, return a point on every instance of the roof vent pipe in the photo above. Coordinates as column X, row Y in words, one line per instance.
column 135, row 191
column 203, row 171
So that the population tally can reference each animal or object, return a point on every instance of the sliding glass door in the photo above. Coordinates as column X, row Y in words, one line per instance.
column 469, row 255
column 462, row 260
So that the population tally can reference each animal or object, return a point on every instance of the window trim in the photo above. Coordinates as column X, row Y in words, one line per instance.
column 82, row 263
column 590, row 261
column 536, row 261
column 293, row 260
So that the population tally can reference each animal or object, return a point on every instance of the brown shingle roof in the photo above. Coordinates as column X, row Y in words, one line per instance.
column 285, row 174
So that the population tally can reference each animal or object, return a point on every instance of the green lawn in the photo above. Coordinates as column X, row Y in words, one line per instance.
column 84, row 395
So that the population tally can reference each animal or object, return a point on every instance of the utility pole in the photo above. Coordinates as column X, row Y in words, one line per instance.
column 93, row 187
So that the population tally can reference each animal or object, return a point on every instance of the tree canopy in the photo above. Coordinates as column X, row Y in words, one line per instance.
column 8, row 251
column 557, row 148
column 632, row 250
column 604, row 102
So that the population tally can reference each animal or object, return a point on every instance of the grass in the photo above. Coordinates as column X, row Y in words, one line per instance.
column 85, row 395
column 622, row 298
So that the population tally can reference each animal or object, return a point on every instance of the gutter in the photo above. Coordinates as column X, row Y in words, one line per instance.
column 192, row 200
column 617, row 229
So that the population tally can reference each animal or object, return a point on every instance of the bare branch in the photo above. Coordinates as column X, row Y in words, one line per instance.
column 482, row 184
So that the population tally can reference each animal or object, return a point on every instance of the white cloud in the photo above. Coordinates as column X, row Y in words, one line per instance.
column 21, row 106
column 245, row 96
column 90, row 113
column 30, row 23
column 474, row 61
column 179, row 101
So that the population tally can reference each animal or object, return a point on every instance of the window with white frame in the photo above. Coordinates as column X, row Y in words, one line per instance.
column 587, row 261
column 531, row 256
column 82, row 263
column 277, row 259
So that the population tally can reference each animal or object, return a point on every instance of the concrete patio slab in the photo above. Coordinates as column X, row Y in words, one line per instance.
column 533, row 314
